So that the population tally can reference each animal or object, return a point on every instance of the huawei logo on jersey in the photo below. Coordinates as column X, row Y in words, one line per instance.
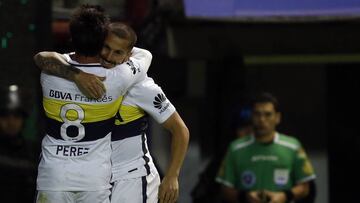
column 161, row 102
column 159, row 99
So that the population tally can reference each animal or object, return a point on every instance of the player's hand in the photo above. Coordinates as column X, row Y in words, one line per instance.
column 276, row 197
column 90, row 85
column 253, row 197
column 169, row 190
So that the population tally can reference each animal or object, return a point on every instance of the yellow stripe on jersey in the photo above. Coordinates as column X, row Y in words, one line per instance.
column 60, row 110
column 128, row 114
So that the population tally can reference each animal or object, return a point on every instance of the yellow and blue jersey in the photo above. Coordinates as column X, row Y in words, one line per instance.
column 130, row 157
column 76, row 149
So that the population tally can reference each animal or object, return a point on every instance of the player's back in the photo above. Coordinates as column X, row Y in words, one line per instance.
column 76, row 149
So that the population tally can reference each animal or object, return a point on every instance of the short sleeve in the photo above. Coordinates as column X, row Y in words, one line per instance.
column 151, row 98
column 134, row 70
column 226, row 174
column 140, row 60
column 303, row 170
column 139, row 64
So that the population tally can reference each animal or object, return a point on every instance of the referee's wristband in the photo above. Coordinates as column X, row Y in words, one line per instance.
column 289, row 196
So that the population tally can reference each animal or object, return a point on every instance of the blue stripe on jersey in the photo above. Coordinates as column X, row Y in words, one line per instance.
column 93, row 131
column 146, row 159
column 131, row 129
column 144, row 187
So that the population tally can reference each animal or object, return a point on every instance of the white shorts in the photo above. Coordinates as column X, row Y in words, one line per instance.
column 137, row 190
column 102, row 196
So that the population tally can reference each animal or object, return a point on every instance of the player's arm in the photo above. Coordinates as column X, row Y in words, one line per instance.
column 226, row 177
column 169, row 188
column 55, row 64
column 300, row 191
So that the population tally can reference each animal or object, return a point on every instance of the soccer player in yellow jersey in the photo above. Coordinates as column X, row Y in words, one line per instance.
column 135, row 177
column 75, row 163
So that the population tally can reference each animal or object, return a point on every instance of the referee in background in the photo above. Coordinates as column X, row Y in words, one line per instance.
column 267, row 166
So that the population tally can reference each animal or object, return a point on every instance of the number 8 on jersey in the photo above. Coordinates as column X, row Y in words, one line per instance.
column 67, row 122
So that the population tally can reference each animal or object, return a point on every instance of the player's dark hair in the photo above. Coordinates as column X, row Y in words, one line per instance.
column 266, row 97
column 88, row 29
column 124, row 31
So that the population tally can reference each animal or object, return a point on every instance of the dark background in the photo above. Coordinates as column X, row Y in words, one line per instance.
column 210, row 68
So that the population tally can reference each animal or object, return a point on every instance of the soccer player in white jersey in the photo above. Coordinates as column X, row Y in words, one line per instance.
column 134, row 175
column 135, row 178
column 75, row 161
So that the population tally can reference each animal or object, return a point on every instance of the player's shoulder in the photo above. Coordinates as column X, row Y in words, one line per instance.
column 123, row 69
column 147, row 85
column 242, row 143
column 127, row 72
column 288, row 141
column 130, row 68
column 145, row 52
column 67, row 56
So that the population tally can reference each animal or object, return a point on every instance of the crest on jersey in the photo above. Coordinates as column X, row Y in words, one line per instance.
column 281, row 176
column 248, row 179
column 159, row 100
column 132, row 67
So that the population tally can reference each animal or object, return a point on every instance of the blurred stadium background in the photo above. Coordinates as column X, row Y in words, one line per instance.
column 209, row 57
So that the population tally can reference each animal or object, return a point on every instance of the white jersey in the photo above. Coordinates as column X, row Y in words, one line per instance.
column 76, row 149
column 130, row 156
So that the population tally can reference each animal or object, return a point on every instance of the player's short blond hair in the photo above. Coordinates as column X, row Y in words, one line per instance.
column 124, row 31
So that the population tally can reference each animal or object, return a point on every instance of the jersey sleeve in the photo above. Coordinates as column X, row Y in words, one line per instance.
column 134, row 70
column 139, row 64
column 151, row 98
column 141, row 59
column 66, row 56
column 303, row 169
column 226, row 174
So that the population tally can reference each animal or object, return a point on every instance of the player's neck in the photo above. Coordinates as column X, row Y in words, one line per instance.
column 266, row 138
column 85, row 59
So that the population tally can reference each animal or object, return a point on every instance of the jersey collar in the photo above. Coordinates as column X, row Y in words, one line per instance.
column 276, row 137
